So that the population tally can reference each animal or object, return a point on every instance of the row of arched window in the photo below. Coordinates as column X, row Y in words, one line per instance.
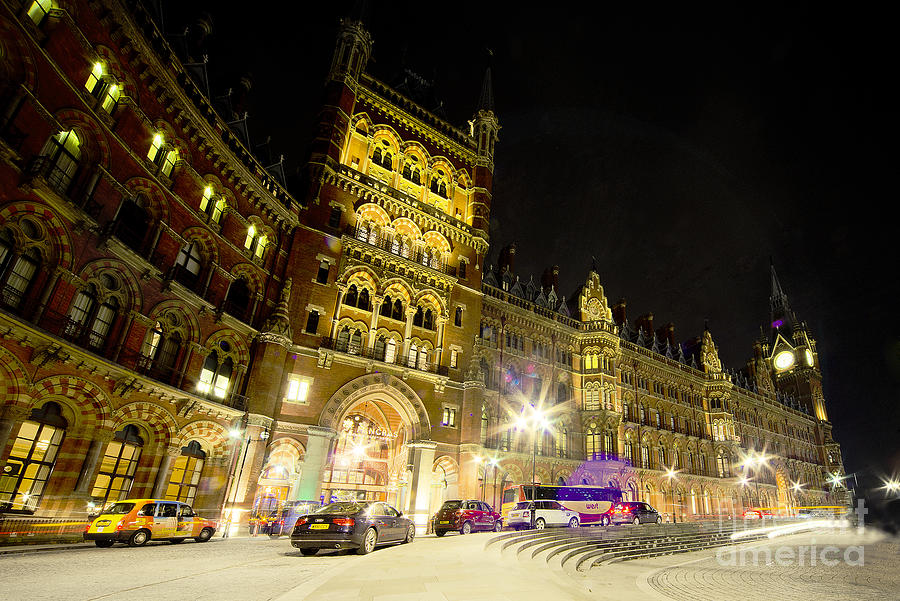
column 35, row 451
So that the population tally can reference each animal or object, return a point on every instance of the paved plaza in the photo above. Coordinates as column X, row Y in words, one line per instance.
column 454, row 568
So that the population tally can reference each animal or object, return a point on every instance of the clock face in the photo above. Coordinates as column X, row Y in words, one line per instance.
column 594, row 308
column 784, row 360
column 809, row 357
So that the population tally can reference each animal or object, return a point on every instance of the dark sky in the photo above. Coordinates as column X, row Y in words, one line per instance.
column 680, row 149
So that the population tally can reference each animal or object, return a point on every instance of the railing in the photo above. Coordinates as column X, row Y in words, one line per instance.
column 399, row 359
column 388, row 245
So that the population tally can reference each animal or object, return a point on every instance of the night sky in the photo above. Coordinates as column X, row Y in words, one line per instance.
column 680, row 149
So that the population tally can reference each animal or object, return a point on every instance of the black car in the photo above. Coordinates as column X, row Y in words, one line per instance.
column 359, row 525
column 634, row 512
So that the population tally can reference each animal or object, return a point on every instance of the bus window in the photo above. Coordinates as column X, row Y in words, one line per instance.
column 510, row 495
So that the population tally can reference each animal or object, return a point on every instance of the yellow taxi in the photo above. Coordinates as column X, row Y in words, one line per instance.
column 135, row 521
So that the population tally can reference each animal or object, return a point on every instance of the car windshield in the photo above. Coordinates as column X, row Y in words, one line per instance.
column 347, row 508
column 451, row 505
column 119, row 508
column 523, row 505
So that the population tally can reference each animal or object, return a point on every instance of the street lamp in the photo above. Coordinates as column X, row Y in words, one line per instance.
column 671, row 475
column 238, row 433
column 536, row 422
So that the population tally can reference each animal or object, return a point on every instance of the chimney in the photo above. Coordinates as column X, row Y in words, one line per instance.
column 507, row 258
column 618, row 312
column 645, row 323
column 666, row 332
column 555, row 271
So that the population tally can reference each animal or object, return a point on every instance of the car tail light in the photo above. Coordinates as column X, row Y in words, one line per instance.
column 301, row 521
column 120, row 524
column 343, row 521
column 526, row 513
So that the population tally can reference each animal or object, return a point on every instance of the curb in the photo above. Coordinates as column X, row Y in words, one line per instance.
column 40, row 548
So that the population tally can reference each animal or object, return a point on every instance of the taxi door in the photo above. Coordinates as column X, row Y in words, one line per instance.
column 186, row 521
column 165, row 522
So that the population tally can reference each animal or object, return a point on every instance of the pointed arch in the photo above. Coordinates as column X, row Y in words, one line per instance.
column 153, row 418
column 57, row 234
column 89, row 403
column 212, row 436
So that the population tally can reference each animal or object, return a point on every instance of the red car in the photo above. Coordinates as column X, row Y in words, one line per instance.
column 465, row 516
column 756, row 514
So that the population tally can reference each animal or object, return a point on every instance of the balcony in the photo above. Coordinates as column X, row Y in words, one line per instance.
column 399, row 360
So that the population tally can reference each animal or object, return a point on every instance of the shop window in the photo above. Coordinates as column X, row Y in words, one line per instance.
column 118, row 466
column 215, row 376
column 63, row 152
column 32, row 458
column 312, row 322
column 186, row 474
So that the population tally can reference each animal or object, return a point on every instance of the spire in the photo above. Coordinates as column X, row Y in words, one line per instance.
column 486, row 101
column 779, row 308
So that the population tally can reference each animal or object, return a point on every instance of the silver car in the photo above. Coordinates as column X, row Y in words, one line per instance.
column 547, row 514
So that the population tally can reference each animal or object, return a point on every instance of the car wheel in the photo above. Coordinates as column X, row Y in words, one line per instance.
column 410, row 534
column 440, row 532
column 604, row 521
column 636, row 521
column 103, row 544
column 139, row 538
column 573, row 523
column 308, row 551
column 368, row 543
column 659, row 519
column 540, row 524
column 466, row 528
column 498, row 526
column 204, row 535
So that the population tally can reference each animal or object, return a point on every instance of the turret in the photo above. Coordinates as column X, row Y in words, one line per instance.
column 484, row 128
column 351, row 52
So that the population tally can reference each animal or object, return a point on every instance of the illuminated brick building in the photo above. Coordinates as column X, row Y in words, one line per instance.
column 176, row 323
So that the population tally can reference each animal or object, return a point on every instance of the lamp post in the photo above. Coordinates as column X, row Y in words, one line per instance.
column 488, row 462
column 236, row 480
column 671, row 475
column 536, row 422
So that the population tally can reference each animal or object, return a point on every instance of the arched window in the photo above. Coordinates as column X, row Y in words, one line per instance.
column 117, row 468
column 645, row 457
column 362, row 232
column 386, row 307
column 188, row 265
column 85, row 312
column 413, row 356
column 625, row 415
column 132, row 223
column 592, row 448
column 98, row 84
column 562, row 392
column 488, row 373
column 352, row 295
column 390, row 351
column 160, row 353
column 562, row 443
column 428, row 320
column 609, row 447
column 363, row 302
column 212, row 204
column 31, row 458
column 256, row 242
column 379, row 348
column 355, row 342
column 418, row 317
column 661, row 453
column 387, row 161
column 423, row 359
column 397, row 312
column 16, row 272
column 723, row 465
column 376, row 155
column 63, row 152
column 215, row 375
column 186, row 474
column 343, row 340
column 237, row 301
column 103, row 323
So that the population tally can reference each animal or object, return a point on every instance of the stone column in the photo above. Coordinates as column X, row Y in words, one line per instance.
column 318, row 444
column 421, row 460
column 373, row 323
column 99, row 440
column 162, row 473
column 49, row 287
column 10, row 417
column 337, row 314
column 407, row 333
column 439, row 347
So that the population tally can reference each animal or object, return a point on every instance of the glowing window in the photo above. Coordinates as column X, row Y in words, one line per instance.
column 111, row 98
column 297, row 390
column 94, row 83
column 38, row 10
column 156, row 147
column 169, row 162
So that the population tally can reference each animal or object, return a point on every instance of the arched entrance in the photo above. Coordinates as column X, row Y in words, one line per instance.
column 376, row 424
